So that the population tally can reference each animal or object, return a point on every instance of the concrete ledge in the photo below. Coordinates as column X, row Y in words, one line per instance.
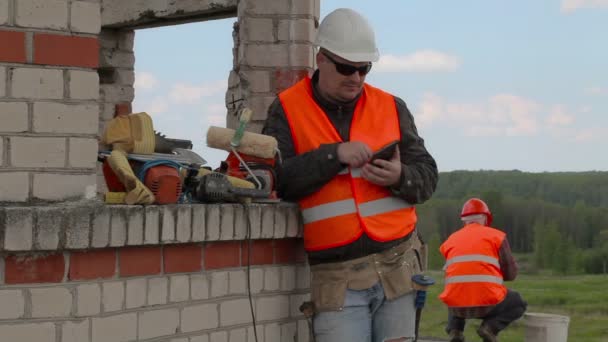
column 95, row 225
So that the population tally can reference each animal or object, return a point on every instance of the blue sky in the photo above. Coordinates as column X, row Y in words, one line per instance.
column 493, row 85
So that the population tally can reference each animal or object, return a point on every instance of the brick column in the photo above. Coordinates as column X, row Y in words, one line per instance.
column 272, row 50
column 49, row 91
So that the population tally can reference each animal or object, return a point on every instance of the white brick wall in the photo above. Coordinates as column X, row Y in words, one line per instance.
column 219, row 284
column 238, row 335
column 180, row 288
column 3, row 3
column 64, row 186
column 85, row 17
column 157, row 291
column 219, row 336
column 51, row 302
column 199, row 317
column 135, row 227
column 75, row 331
column 65, row 118
column 257, row 29
column 152, row 225
column 83, row 152
column 88, row 300
column 268, row 55
column 51, row 14
column 37, row 83
column 199, row 286
column 12, row 304
column 115, row 328
column 297, row 29
column 118, row 229
column 268, row 6
column 136, row 293
column 234, row 312
column 158, row 323
column 18, row 230
column 13, row 115
column 271, row 308
column 113, row 296
column 37, row 152
column 39, row 332
column 14, row 186
column 272, row 276
column 84, row 85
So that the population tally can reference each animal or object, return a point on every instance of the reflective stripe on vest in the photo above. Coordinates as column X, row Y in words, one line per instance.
column 344, row 207
column 473, row 279
column 472, row 257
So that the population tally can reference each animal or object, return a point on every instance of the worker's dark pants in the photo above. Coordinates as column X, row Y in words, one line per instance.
column 498, row 318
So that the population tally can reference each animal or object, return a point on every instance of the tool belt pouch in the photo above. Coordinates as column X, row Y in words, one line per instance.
column 328, row 288
column 396, row 268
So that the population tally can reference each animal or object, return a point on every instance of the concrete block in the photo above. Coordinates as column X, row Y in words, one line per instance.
column 233, row 79
column 78, row 228
column 168, row 223
column 12, row 304
column 272, row 308
column 237, row 282
column 75, row 331
column 272, row 279
column 218, row 336
column 240, row 223
column 238, row 335
column 100, row 236
column 293, row 222
column 82, row 153
column 64, row 186
column 158, row 323
column 117, row 93
column 260, row 333
column 115, row 328
column 88, row 300
column 13, row 115
column 135, row 226
column 227, row 222
column 125, row 77
column 301, row 55
column 219, row 284
column 303, row 277
column 199, row 317
column 266, row 55
column 198, row 223
column 259, row 81
column 35, row 83
column 272, row 331
column 268, row 222
column 300, row 30
column 233, row 312
column 199, row 286
column 268, row 7
column 280, row 222
column 152, row 230
column 39, row 332
column 52, row 117
column 84, row 85
column 213, row 222
column 183, row 226
column 289, row 331
column 295, row 301
column 3, row 21
column 257, row 280
column 18, row 229
column 136, row 293
column 113, row 296
column 259, row 105
column 288, row 278
column 256, row 29
column 14, row 186
column 46, row 14
column 117, row 59
column 85, row 17
column 180, row 288
column 157, row 291
column 126, row 40
column 118, row 227
column 51, row 302
column 37, row 152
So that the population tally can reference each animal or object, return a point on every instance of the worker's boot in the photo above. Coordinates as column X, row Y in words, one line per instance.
column 456, row 335
column 487, row 334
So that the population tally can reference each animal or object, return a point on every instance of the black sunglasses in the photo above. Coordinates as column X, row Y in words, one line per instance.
column 347, row 69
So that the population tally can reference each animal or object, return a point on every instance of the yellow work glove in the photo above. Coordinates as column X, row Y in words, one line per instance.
column 137, row 192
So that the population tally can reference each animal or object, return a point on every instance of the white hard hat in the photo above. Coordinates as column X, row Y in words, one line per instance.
column 347, row 34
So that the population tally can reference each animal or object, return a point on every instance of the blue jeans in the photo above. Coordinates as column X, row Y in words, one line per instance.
column 367, row 316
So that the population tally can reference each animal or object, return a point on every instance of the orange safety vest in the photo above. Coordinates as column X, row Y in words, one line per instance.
column 347, row 206
column 472, row 269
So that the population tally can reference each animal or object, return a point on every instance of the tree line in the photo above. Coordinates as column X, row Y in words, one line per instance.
column 555, row 221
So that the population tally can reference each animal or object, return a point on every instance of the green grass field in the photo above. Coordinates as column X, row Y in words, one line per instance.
column 584, row 298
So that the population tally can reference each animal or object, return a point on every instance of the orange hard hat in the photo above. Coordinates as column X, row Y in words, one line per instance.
column 475, row 206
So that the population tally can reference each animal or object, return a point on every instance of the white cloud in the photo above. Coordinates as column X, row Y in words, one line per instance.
column 590, row 134
column 183, row 93
column 145, row 80
column 596, row 91
column 419, row 61
column 569, row 6
column 559, row 117
column 215, row 114
column 429, row 110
